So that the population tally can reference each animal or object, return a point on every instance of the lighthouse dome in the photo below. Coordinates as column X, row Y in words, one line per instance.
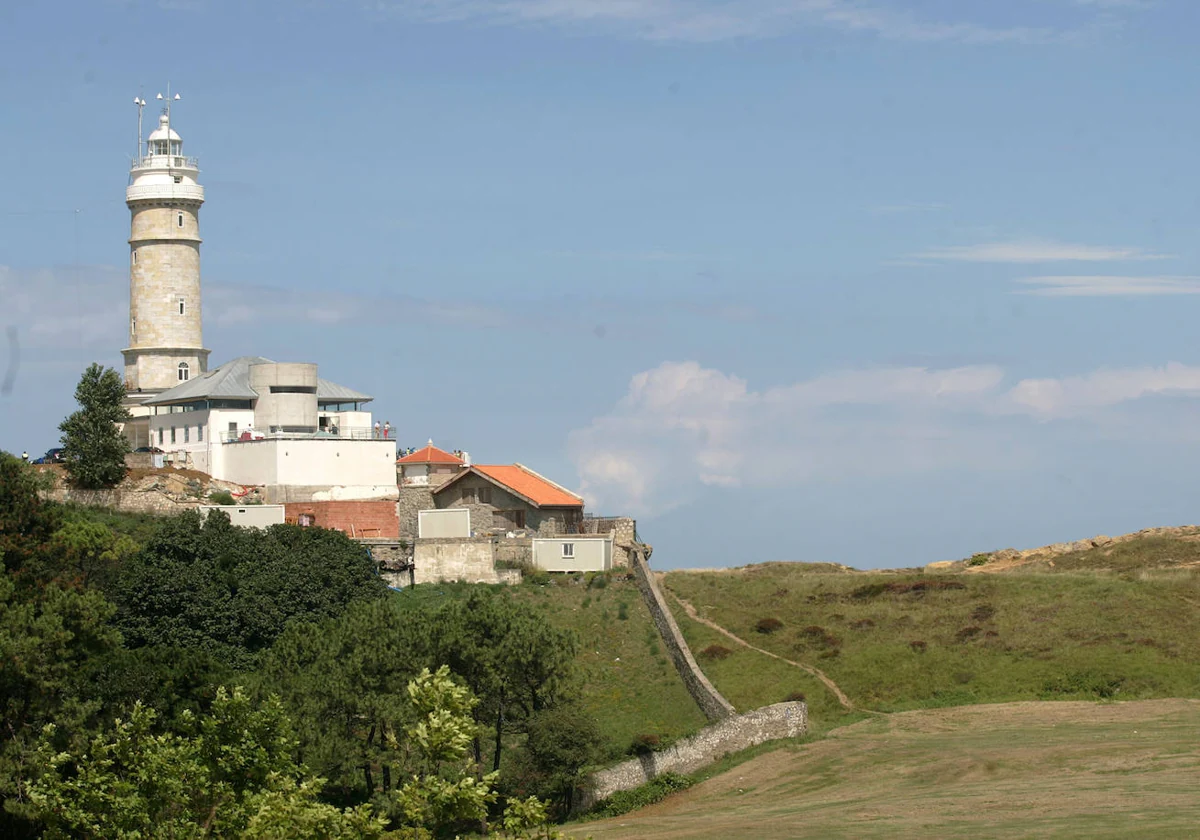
column 164, row 130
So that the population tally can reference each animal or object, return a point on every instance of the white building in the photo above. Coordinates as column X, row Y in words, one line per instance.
column 251, row 421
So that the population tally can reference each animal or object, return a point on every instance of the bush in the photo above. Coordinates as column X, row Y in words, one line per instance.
column 645, row 743
column 655, row 790
column 597, row 580
column 715, row 652
column 221, row 497
column 968, row 633
column 795, row 697
column 623, row 611
column 768, row 625
column 978, row 559
column 918, row 646
column 862, row 624
column 983, row 612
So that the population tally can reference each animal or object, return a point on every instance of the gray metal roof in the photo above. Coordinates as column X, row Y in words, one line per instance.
column 231, row 381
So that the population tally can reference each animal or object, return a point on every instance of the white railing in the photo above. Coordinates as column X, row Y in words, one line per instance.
column 343, row 433
column 165, row 162
column 177, row 192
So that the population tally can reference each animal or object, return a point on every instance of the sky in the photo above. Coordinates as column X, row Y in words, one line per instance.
column 873, row 282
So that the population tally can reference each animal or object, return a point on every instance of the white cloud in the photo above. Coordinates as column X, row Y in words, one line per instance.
column 716, row 20
column 681, row 427
column 1035, row 251
column 1109, row 286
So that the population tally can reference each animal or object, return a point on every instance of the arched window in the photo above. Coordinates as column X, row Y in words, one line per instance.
column 183, row 371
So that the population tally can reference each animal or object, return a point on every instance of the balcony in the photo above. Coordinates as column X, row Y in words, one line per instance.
column 164, row 192
column 166, row 162
column 343, row 433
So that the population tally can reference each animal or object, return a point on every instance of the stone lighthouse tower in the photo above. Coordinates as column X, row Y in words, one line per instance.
column 164, row 198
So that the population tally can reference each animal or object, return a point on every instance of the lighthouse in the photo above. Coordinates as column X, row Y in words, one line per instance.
column 164, row 197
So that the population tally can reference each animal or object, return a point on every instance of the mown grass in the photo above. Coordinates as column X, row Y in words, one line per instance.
column 915, row 640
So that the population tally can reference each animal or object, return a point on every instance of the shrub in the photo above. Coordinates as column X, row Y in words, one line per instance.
column 983, row 612
column 221, row 497
column 597, row 580
column 768, row 625
column 918, row 588
column 645, row 743
column 715, row 652
column 623, row 611
column 862, row 624
column 968, row 633
column 795, row 697
column 978, row 559
column 655, row 790
column 918, row 646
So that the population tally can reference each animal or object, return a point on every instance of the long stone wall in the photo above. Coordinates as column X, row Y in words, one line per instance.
column 770, row 723
column 711, row 703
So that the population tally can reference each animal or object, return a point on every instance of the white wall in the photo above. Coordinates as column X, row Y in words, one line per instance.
column 249, row 516
column 451, row 522
column 591, row 553
column 310, row 462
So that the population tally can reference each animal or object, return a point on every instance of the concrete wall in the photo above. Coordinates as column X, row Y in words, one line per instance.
column 589, row 554
column 711, row 703
column 454, row 522
column 770, row 723
column 249, row 516
column 470, row 560
column 328, row 462
column 285, row 410
column 373, row 519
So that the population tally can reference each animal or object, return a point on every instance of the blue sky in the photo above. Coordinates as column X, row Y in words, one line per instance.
column 879, row 282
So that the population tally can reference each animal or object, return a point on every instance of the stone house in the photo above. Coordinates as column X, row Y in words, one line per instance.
column 427, row 467
column 511, row 497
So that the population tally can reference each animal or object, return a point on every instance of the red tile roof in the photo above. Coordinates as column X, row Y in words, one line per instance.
column 524, row 481
column 430, row 454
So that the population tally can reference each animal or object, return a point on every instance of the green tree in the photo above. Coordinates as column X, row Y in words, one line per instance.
column 94, row 448
column 228, row 774
column 47, row 637
column 230, row 591
column 561, row 742
column 26, row 520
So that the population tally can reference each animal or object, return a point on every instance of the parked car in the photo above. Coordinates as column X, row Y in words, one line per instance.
column 52, row 456
column 153, row 450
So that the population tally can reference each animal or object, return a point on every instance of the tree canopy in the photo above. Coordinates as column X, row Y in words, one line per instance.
column 94, row 448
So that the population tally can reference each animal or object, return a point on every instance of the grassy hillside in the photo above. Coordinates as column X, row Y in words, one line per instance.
column 895, row 641
column 1086, row 770
column 629, row 683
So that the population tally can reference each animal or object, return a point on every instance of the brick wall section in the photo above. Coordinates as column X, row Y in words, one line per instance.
column 711, row 703
column 374, row 518
column 770, row 723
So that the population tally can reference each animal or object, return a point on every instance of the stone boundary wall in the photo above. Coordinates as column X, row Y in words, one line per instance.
column 468, row 559
column 132, row 501
column 711, row 703
column 770, row 723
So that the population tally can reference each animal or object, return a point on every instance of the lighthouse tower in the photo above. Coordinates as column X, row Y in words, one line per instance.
column 164, row 198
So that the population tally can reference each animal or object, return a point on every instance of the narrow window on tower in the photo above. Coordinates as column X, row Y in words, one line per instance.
column 133, row 258
column 132, row 330
column 183, row 371
column 181, row 220
column 181, row 306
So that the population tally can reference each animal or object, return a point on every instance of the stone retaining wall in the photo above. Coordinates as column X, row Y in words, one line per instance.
column 711, row 703
column 770, row 723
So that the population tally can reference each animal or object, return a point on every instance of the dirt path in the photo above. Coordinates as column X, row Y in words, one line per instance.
column 816, row 672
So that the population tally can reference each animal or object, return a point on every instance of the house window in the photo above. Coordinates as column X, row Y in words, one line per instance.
column 468, row 496
column 187, row 434
column 172, row 434
column 183, row 366
column 568, row 551
column 160, row 435
column 181, row 220
column 200, row 434
column 182, row 306
column 178, row 179
column 508, row 519
column 485, row 495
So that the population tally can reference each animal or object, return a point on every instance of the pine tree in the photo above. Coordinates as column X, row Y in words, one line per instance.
column 93, row 447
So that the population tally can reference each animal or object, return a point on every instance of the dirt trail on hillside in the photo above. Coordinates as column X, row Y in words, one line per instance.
column 816, row 672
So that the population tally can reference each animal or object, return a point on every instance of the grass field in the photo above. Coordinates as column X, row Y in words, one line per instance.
column 898, row 641
column 1065, row 769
